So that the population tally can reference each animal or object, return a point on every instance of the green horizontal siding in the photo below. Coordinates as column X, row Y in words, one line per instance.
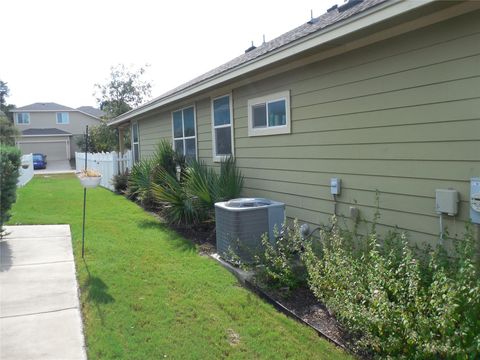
column 399, row 118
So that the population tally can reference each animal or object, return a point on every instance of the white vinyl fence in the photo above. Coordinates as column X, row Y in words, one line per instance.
column 108, row 164
column 26, row 170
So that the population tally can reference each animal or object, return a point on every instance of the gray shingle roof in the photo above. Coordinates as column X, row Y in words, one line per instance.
column 50, row 131
column 333, row 16
column 91, row 111
column 49, row 106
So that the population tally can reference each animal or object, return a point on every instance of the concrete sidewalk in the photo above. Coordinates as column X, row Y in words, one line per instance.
column 39, row 307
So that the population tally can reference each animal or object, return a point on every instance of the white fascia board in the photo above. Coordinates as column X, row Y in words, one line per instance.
column 51, row 135
column 54, row 111
column 357, row 22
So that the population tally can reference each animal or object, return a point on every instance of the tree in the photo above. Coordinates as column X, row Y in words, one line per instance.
column 4, row 107
column 8, row 132
column 10, row 159
column 101, row 138
column 125, row 90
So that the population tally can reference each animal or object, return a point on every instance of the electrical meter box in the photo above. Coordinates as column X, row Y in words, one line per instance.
column 475, row 200
column 446, row 201
column 335, row 186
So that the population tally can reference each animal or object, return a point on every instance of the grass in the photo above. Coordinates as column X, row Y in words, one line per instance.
column 147, row 294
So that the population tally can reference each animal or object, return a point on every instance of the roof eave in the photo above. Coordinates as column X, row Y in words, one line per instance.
column 357, row 22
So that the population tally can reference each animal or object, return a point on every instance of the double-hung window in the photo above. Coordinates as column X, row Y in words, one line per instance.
column 184, row 132
column 22, row 118
column 222, row 132
column 269, row 115
column 63, row 118
column 135, row 142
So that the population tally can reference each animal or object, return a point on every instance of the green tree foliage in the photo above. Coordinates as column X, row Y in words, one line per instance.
column 10, row 159
column 8, row 132
column 101, row 138
column 125, row 90
column 4, row 107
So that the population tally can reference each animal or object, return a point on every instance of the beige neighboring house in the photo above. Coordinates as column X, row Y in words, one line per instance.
column 50, row 128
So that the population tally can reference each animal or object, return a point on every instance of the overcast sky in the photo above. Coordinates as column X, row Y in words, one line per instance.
column 55, row 51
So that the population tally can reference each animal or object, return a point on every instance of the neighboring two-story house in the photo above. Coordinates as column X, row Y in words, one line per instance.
column 50, row 128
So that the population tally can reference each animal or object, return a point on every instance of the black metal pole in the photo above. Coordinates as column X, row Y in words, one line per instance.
column 84, row 194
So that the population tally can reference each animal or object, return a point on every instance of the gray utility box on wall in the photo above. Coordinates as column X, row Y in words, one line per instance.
column 240, row 224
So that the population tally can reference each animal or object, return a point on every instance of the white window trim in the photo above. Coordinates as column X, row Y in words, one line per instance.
column 16, row 118
column 218, row 158
column 61, row 123
column 270, row 130
column 135, row 123
column 183, row 129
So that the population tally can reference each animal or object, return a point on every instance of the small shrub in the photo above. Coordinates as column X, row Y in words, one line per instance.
column 167, row 158
column 120, row 182
column 281, row 259
column 10, row 160
column 178, row 206
column 399, row 308
column 140, row 183
column 192, row 198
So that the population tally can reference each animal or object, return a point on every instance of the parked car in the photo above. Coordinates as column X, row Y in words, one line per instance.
column 39, row 161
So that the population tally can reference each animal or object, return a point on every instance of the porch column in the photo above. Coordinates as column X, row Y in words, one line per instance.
column 121, row 142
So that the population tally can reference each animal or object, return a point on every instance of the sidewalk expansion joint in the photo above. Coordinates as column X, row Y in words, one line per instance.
column 39, row 313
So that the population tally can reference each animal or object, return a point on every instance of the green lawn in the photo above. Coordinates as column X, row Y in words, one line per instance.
column 147, row 294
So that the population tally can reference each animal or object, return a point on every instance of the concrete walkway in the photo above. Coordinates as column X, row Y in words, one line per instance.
column 56, row 167
column 39, row 307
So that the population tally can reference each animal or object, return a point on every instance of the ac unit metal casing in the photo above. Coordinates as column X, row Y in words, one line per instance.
column 240, row 224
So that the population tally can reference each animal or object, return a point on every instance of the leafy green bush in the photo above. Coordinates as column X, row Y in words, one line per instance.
column 120, row 182
column 8, row 131
column 10, row 160
column 281, row 260
column 399, row 307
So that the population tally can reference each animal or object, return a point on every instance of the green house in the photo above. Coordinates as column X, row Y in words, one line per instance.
column 382, row 94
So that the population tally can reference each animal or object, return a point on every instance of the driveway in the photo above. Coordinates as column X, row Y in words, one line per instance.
column 56, row 167
column 39, row 307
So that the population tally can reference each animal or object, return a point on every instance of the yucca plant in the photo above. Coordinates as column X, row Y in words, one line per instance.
column 168, row 158
column 202, row 183
column 140, row 182
column 193, row 198
column 230, row 180
column 178, row 206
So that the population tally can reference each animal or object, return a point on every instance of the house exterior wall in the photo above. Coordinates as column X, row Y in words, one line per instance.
column 45, row 120
column 399, row 117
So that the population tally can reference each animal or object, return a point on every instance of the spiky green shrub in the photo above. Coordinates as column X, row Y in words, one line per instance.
column 167, row 158
column 178, row 207
column 191, row 198
column 10, row 160
column 140, row 182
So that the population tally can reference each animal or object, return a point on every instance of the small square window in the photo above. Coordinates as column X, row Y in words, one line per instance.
column 269, row 115
column 63, row 118
column 22, row 118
